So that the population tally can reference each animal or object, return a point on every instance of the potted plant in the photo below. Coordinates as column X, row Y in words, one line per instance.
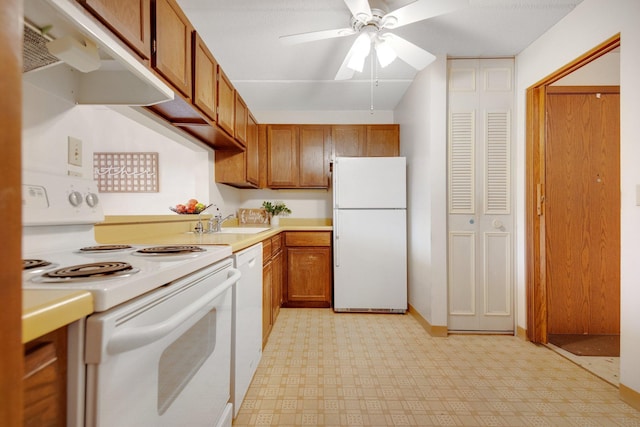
column 274, row 209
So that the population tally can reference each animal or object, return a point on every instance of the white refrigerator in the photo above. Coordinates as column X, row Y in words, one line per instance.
column 370, row 234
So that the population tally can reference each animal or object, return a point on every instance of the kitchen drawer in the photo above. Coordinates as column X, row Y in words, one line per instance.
column 308, row 238
column 276, row 243
column 267, row 249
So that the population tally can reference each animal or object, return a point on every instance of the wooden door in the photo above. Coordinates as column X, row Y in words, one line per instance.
column 204, row 83
column 282, row 156
column 172, row 54
column 130, row 19
column 348, row 140
column 382, row 141
column 252, row 152
column 582, row 209
column 11, row 355
column 314, row 146
column 241, row 118
column 308, row 277
column 225, row 103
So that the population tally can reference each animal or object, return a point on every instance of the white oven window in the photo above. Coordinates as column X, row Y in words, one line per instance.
column 182, row 359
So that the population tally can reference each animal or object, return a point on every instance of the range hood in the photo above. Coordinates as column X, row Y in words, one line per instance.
column 112, row 74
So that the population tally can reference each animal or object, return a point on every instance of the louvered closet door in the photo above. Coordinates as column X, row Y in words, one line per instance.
column 481, row 224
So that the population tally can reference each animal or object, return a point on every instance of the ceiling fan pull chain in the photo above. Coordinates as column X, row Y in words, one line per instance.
column 372, row 60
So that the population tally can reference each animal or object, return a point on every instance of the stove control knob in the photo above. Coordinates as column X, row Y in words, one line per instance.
column 75, row 198
column 92, row 200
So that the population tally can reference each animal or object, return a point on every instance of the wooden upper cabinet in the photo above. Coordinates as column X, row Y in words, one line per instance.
column 172, row 45
column 365, row 140
column 315, row 150
column 298, row 156
column 348, row 140
column 241, row 118
column 240, row 169
column 252, row 152
column 129, row 19
column 204, row 78
column 382, row 141
column 225, row 103
column 282, row 156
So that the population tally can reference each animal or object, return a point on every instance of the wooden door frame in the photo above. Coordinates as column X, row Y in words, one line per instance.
column 11, row 349
column 536, row 292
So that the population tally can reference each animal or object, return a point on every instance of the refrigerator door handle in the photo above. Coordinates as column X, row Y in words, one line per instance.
column 336, row 238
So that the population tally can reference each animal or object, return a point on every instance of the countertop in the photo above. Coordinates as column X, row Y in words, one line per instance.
column 44, row 311
column 236, row 241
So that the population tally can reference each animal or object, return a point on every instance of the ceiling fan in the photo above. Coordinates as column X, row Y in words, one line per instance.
column 373, row 25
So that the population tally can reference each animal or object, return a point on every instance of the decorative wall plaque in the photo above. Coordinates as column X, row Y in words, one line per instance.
column 253, row 216
column 126, row 172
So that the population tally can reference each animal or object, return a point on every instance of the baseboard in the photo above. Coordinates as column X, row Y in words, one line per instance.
column 630, row 396
column 521, row 333
column 434, row 331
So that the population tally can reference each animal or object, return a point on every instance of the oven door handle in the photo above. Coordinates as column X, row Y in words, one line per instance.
column 129, row 339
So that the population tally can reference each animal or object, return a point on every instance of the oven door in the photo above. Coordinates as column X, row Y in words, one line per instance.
column 163, row 359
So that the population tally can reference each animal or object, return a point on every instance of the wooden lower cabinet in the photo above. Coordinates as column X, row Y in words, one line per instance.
column 271, row 283
column 308, row 275
column 45, row 386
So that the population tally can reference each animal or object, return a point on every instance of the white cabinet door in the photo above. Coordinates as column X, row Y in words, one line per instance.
column 480, row 220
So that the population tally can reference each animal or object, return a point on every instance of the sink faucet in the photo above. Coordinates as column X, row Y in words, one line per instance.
column 215, row 223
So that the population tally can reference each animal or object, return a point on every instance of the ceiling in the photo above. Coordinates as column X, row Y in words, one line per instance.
column 243, row 35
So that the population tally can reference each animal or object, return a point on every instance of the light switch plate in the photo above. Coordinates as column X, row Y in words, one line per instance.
column 74, row 146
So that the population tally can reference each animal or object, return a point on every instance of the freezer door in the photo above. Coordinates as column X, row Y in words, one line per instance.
column 369, row 182
column 370, row 260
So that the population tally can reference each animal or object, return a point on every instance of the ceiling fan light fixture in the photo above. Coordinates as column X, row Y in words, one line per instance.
column 385, row 53
column 360, row 50
column 389, row 21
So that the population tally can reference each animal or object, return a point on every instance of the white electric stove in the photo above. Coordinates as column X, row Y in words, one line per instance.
column 157, row 352
column 59, row 213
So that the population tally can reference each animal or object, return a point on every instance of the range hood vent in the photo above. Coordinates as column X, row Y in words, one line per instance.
column 35, row 53
column 119, row 77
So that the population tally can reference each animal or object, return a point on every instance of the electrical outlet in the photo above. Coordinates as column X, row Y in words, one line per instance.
column 74, row 146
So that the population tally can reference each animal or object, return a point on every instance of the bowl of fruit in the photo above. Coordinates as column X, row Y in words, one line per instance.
column 192, row 207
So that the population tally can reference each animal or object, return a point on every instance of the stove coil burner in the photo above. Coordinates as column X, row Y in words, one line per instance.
column 105, row 248
column 28, row 264
column 93, row 270
column 170, row 250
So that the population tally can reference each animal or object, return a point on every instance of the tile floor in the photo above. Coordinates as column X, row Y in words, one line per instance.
column 320, row 368
column 607, row 368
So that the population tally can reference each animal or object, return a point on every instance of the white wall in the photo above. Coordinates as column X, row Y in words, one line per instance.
column 589, row 24
column 422, row 118
column 185, row 167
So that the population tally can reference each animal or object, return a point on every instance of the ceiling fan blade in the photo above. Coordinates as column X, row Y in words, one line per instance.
column 316, row 35
column 413, row 55
column 421, row 10
column 344, row 72
column 360, row 9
